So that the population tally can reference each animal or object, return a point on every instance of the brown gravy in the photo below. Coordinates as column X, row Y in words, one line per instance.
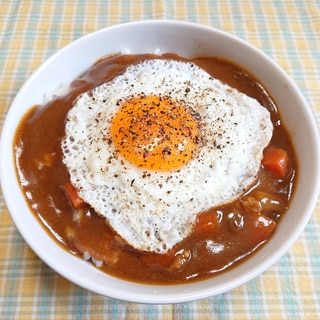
column 239, row 229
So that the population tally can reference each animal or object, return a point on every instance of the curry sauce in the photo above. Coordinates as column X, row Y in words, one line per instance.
column 223, row 237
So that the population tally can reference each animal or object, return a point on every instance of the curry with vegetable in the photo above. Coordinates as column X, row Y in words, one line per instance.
column 222, row 237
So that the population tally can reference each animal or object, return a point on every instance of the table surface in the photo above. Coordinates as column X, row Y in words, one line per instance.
column 31, row 31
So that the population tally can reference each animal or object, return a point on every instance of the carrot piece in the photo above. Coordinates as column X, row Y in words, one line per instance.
column 206, row 223
column 260, row 227
column 275, row 160
column 162, row 260
column 72, row 194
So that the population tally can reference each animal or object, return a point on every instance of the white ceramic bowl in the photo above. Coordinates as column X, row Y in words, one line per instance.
column 188, row 40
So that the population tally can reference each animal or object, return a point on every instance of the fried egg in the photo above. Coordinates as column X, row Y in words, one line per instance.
column 159, row 144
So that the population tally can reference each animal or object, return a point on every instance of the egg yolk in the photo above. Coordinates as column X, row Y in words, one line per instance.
column 156, row 133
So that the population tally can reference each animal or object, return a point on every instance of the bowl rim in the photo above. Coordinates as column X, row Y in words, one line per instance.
column 146, row 293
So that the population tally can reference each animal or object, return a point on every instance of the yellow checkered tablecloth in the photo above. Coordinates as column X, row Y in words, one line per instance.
column 31, row 31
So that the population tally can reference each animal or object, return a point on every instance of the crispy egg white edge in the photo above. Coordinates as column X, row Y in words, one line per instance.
column 153, row 210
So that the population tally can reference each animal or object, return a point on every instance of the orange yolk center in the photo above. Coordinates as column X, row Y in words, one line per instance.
column 156, row 133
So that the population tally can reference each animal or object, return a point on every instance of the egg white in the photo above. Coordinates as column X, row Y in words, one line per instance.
column 154, row 210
